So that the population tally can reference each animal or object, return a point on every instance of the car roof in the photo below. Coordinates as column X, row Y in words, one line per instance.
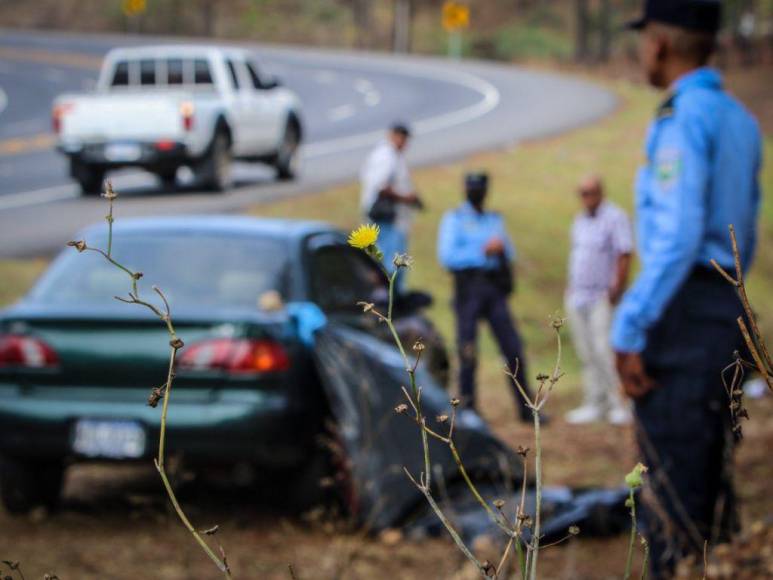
column 283, row 229
column 178, row 50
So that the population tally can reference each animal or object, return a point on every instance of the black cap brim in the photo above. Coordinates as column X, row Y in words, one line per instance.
column 637, row 24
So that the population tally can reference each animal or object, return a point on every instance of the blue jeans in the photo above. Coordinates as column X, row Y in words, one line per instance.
column 391, row 241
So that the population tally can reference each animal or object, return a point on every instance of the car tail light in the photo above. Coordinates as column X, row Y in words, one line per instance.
column 236, row 356
column 187, row 110
column 165, row 145
column 58, row 114
column 26, row 352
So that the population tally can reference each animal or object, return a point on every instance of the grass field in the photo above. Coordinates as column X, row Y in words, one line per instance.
column 533, row 186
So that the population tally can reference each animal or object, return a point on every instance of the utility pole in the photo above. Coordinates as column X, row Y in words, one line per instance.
column 402, row 21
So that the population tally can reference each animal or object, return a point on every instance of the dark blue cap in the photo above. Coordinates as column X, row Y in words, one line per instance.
column 476, row 180
column 696, row 15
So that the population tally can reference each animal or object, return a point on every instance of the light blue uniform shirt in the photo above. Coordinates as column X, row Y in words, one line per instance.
column 463, row 235
column 703, row 162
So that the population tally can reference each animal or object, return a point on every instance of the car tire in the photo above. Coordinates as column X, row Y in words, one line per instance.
column 168, row 179
column 91, row 179
column 214, row 171
column 25, row 485
column 287, row 156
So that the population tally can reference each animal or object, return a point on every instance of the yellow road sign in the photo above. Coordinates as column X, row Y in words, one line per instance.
column 456, row 16
column 134, row 7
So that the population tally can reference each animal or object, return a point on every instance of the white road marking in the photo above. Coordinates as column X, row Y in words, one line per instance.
column 3, row 100
column 372, row 98
column 62, row 192
column 489, row 101
column 340, row 113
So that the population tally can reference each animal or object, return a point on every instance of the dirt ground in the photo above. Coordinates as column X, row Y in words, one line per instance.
column 115, row 522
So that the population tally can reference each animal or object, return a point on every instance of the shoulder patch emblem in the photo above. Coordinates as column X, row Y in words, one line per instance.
column 668, row 167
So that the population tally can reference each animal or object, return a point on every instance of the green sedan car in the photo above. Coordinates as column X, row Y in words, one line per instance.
column 77, row 366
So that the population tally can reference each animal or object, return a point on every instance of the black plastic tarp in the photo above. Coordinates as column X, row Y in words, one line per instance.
column 362, row 378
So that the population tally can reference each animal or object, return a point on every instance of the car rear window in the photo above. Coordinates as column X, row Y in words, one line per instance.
column 147, row 72
column 201, row 73
column 192, row 269
column 174, row 71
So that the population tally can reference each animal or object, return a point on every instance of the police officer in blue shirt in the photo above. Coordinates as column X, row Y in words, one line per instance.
column 675, row 329
column 474, row 245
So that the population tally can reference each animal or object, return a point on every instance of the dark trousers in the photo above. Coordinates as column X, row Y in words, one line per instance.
column 478, row 297
column 683, row 426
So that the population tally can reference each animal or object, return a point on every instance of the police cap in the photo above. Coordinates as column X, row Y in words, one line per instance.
column 476, row 180
column 695, row 15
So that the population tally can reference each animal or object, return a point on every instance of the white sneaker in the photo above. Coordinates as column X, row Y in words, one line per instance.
column 583, row 415
column 619, row 416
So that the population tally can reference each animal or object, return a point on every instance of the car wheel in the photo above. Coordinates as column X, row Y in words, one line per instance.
column 168, row 179
column 287, row 156
column 90, row 179
column 25, row 485
column 215, row 170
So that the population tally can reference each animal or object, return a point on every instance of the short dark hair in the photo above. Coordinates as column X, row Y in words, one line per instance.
column 693, row 45
column 401, row 129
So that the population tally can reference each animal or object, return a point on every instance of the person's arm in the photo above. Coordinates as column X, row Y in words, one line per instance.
column 453, row 254
column 676, row 190
column 622, row 241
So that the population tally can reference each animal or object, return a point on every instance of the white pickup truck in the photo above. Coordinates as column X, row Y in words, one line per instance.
column 164, row 107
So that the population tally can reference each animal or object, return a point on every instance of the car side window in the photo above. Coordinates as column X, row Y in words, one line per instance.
column 120, row 74
column 342, row 276
column 257, row 84
column 233, row 74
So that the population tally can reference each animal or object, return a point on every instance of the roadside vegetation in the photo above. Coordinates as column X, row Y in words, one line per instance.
column 533, row 186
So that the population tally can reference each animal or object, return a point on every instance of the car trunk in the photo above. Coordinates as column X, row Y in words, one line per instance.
column 119, row 350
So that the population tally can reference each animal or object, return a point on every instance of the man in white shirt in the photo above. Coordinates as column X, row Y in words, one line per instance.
column 388, row 198
column 599, row 263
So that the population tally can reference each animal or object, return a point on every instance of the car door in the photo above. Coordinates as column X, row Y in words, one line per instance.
column 269, row 109
column 340, row 276
column 242, row 109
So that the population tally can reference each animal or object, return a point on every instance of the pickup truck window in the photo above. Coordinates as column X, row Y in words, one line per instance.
column 147, row 72
column 201, row 72
column 256, row 82
column 234, row 74
column 174, row 71
column 120, row 74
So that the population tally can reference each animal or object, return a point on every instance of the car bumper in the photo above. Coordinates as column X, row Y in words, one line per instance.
column 203, row 424
column 129, row 153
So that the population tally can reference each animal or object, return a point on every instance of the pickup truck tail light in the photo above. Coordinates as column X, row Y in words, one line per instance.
column 187, row 111
column 235, row 356
column 58, row 114
column 26, row 352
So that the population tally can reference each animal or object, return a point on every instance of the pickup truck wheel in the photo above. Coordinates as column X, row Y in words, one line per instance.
column 287, row 156
column 25, row 485
column 89, row 178
column 215, row 169
column 168, row 179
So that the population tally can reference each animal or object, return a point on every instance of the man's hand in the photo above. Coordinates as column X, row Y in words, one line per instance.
column 636, row 382
column 616, row 292
column 494, row 246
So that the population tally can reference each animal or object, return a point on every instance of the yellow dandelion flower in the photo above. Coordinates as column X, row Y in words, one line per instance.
column 364, row 236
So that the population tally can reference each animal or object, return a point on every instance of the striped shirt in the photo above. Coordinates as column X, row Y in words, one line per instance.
column 597, row 242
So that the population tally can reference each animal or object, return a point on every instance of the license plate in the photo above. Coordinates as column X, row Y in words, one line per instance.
column 109, row 439
column 123, row 152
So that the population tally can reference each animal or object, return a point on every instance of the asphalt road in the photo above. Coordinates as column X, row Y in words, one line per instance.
column 455, row 108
